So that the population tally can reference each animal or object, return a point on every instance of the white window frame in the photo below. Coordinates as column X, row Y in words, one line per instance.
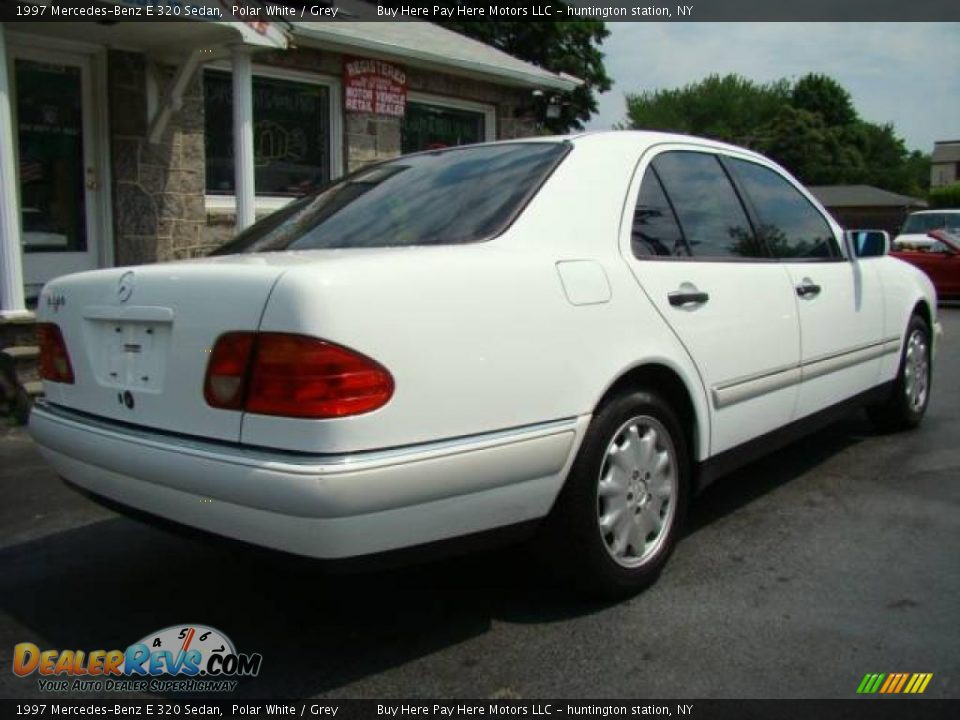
column 489, row 111
column 101, row 123
column 266, row 204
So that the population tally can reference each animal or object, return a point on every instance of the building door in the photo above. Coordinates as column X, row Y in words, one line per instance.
column 59, row 182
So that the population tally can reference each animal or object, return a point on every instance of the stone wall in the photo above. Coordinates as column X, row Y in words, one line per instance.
column 158, row 188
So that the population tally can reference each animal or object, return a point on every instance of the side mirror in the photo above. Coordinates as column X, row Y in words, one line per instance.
column 867, row 243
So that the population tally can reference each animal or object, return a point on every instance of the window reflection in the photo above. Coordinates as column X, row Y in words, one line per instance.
column 708, row 209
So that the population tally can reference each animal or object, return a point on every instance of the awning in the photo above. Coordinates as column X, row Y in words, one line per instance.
column 429, row 46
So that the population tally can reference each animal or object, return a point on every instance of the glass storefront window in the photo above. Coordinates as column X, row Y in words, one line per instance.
column 291, row 135
column 50, row 134
column 431, row 127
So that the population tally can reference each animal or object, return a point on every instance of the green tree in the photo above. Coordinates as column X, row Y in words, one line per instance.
column 801, row 141
column 571, row 47
column 810, row 127
column 918, row 168
column 823, row 96
column 729, row 108
column 945, row 196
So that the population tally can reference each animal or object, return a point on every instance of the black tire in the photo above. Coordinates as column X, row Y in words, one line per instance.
column 900, row 411
column 573, row 541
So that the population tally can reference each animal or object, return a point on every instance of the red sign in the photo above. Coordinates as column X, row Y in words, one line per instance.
column 374, row 86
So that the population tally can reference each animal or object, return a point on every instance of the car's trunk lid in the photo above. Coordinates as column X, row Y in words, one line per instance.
column 139, row 339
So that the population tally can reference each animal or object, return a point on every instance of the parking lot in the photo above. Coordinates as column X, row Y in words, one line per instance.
column 835, row 557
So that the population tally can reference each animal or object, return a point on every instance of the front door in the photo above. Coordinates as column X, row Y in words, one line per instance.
column 839, row 300
column 58, row 179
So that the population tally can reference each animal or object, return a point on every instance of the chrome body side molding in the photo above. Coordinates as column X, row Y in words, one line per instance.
column 747, row 388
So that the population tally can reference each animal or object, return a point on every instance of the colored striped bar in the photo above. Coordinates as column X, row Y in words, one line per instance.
column 865, row 683
column 891, row 680
column 894, row 683
column 903, row 680
column 919, row 682
column 877, row 682
column 871, row 683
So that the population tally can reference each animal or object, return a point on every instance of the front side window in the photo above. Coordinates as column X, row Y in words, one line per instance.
column 291, row 135
column 446, row 197
column 655, row 228
column 788, row 223
column 712, row 219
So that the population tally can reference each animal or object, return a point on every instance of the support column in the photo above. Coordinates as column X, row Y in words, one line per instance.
column 243, row 137
column 11, row 261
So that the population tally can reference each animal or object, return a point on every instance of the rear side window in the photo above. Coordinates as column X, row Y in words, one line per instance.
column 447, row 197
column 655, row 227
column 711, row 216
column 789, row 224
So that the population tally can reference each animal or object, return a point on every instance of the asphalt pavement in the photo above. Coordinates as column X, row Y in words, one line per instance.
column 835, row 557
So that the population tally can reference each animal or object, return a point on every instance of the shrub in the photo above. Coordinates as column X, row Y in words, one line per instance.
column 947, row 196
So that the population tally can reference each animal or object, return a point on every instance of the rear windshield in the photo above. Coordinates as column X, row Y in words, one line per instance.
column 926, row 222
column 446, row 197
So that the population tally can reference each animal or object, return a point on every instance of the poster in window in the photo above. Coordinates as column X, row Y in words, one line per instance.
column 291, row 135
column 431, row 127
column 374, row 86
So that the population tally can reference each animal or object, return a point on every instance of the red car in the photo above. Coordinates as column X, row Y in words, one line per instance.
column 941, row 261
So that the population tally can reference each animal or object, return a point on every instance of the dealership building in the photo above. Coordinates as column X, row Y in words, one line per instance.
column 138, row 142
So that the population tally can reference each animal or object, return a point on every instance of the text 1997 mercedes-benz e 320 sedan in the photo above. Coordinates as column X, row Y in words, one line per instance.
column 580, row 331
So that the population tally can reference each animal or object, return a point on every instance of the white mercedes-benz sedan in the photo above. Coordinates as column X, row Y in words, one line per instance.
column 573, row 333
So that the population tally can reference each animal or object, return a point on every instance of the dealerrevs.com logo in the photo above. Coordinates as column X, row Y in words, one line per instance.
column 180, row 658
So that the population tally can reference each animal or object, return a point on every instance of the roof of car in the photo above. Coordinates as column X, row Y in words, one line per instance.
column 652, row 136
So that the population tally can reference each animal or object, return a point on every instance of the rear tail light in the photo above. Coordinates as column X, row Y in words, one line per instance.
column 227, row 371
column 54, row 358
column 293, row 376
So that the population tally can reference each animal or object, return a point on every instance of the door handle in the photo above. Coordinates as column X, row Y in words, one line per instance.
column 679, row 298
column 807, row 288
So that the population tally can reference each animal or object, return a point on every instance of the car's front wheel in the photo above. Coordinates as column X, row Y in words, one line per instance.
column 911, row 392
column 621, row 511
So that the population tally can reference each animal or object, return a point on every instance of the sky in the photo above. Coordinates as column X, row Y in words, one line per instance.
column 907, row 74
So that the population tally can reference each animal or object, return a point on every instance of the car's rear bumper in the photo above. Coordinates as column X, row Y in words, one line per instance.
column 320, row 506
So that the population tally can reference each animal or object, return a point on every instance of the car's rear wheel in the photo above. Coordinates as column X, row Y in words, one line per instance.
column 622, row 508
column 911, row 392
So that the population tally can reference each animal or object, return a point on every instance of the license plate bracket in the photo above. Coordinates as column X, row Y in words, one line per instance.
column 130, row 353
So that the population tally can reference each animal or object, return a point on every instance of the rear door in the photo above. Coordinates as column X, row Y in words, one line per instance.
column 691, row 246
column 839, row 300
